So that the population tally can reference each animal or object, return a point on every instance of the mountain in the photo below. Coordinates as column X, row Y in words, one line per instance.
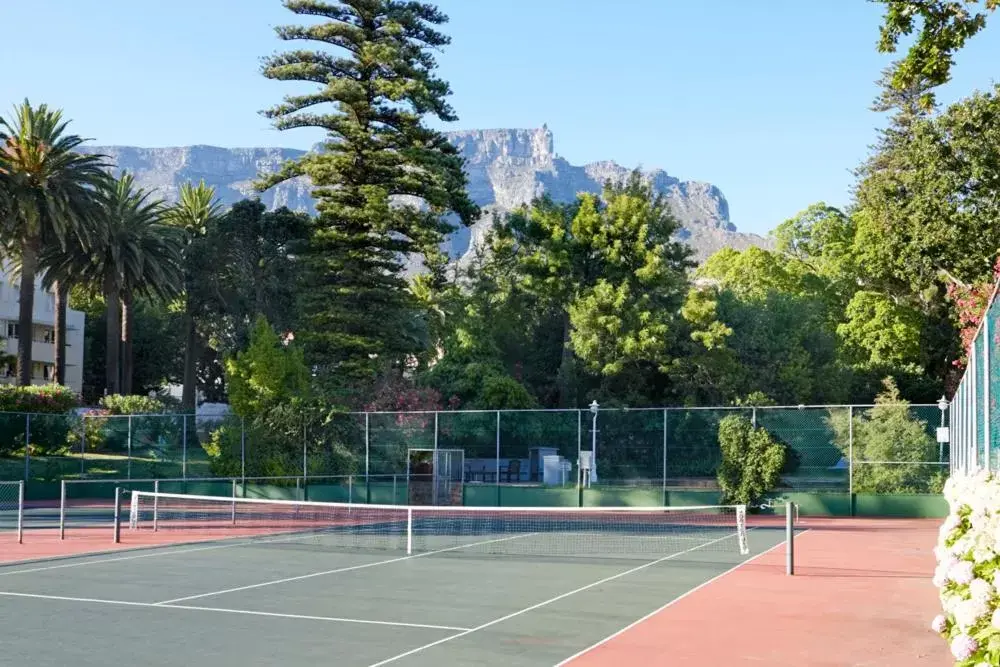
column 506, row 168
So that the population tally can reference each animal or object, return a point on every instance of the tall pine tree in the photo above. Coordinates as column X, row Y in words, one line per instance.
column 384, row 182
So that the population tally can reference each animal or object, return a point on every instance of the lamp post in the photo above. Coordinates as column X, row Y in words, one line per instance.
column 594, row 408
column 942, row 406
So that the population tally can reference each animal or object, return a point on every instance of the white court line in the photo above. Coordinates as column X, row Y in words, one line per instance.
column 544, row 603
column 674, row 601
column 341, row 569
column 247, row 612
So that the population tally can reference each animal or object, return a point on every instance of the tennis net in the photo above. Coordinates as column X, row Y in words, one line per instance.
column 613, row 532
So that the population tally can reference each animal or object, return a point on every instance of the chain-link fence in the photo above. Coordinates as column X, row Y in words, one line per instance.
column 973, row 430
column 367, row 457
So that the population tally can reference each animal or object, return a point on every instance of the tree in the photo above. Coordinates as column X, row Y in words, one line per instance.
column 136, row 253
column 943, row 27
column 893, row 450
column 762, row 321
column 611, row 267
column 383, row 181
column 50, row 189
column 195, row 212
column 246, row 266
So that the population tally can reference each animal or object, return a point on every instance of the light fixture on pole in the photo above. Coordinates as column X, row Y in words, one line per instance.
column 594, row 408
column 942, row 432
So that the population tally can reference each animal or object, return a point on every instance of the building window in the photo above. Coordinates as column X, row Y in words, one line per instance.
column 12, row 330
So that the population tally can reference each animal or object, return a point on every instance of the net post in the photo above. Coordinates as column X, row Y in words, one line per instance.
column 20, row 513
column 350, row 489
column 62, row 510
column 234, row 502
column 156, row 505
column 118, row 512
column 409, row 531
column 790, row 538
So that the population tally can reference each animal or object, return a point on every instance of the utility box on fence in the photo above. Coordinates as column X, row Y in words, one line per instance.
column 536, row 458
column 556, row 470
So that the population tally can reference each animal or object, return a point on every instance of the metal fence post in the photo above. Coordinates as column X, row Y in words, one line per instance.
column 986, row 390
column 368, row 481
column 435, row 432
column 156, row 505
column 664, row 457
column 27, row 446
column 579, row 457
column 753, row 416
column 305, row 452
column 128, row 461
column 850, row 455
column 184, row 446
column 234, row 502
column 498, row 459
column 83, row 445
column 243, row 450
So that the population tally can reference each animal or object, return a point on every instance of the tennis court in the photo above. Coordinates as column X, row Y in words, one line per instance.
column 299, row 583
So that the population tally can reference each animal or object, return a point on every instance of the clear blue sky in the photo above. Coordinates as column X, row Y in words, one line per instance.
column 768, row 99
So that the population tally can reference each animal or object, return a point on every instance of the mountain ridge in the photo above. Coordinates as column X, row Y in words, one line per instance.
column 506, row 168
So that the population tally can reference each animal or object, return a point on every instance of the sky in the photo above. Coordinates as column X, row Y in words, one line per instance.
column 767, row 99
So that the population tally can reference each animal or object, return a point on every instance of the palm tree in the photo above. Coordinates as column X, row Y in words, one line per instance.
column 49, row 189
column 136, row 254
column 193, row 213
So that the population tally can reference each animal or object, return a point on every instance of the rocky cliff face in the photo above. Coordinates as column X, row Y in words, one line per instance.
column 506, row 168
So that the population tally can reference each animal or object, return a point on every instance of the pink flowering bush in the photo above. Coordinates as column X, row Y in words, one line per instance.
column 968, row 570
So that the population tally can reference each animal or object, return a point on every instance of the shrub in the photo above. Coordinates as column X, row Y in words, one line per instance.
column 751, row 461
column 49, row 406
column 118, row 404
column 50, row 398
column 967, row 565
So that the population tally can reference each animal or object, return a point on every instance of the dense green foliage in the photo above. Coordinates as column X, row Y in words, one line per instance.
column 942, row 26
column 891, row 448
column 37, row 399
column 752, row 460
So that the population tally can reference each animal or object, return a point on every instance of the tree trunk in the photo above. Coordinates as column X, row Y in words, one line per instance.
column 188, row 396
column 25, row 321
column 112, row 338
column 61, row 292
column 127, row 317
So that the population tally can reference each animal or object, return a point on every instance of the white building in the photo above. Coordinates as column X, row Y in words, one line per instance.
column 43, row 370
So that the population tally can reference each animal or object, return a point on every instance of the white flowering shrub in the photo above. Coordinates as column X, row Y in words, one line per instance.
column 968, row 570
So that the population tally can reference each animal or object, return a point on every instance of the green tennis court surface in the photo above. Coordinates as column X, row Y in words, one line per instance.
column 313, row 599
